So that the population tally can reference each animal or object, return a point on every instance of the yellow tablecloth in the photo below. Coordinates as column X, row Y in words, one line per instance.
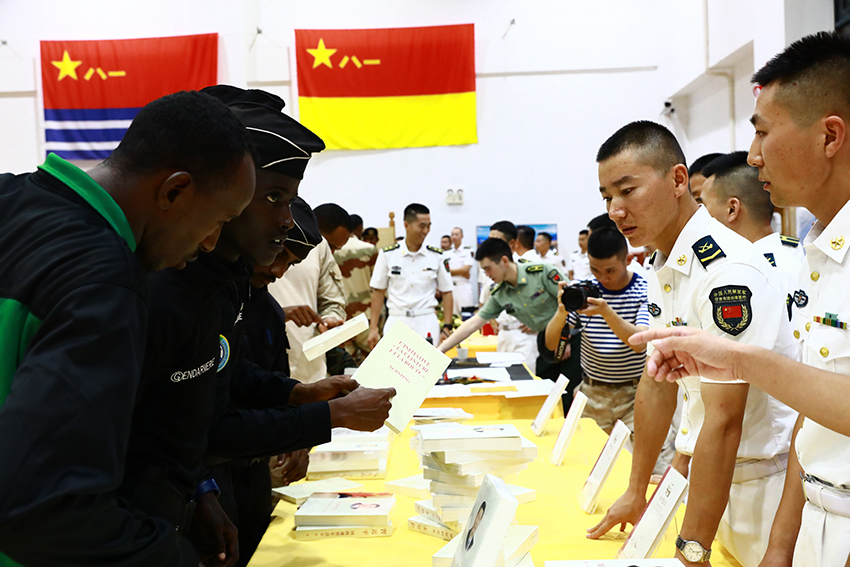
column 556, row 511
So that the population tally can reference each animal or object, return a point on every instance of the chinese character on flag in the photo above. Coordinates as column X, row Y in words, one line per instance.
column 388, row 88
column 93, row 89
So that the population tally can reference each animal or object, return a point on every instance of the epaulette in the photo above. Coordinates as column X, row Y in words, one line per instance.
column 434, row 249
column 652, row 258
column 391, row 247
column 522, row 261
column 534, row 268
column 770, row 258
column 789, row 240
column 707, row 251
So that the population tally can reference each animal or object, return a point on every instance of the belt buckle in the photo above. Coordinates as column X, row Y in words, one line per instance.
column 409, row 313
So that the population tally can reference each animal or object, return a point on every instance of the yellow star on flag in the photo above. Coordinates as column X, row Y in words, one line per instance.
column 67, row 68
column 321, row 55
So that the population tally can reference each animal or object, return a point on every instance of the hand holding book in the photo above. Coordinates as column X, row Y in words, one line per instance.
column 322, row 391
column 364, row 409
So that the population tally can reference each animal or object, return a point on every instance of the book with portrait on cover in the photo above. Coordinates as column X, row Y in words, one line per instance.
column 346, row 509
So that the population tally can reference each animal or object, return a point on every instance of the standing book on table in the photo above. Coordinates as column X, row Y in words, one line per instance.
column 481, row 540
column 538, row 426
column 593, row 485
column 568, row 429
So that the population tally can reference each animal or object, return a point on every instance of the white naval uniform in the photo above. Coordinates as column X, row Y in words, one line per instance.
column 462, row 292
column 551, row 257
column 680, row 290
column 411, row 280
column 580, row 266
column 823, row 539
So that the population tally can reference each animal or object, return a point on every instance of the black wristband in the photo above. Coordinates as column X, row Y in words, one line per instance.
column 448, row 326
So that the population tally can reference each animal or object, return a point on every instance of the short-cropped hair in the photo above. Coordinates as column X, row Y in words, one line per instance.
column 493, row 249
column 413, row 210
column 656, row 145
column 505, row 227
column 734, row 177
column 607, row 243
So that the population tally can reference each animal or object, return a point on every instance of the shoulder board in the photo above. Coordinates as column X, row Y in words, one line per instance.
column 434, row 249
column 770, row 258
column 391, row 247
column 789, row 240
column 707, row 251
column 652, row 258
column 521, row 261
column 534, row 268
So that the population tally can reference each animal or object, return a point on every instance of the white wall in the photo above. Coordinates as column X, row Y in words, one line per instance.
column 550, row 89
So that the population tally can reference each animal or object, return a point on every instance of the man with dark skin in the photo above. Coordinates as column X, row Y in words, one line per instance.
column 74, row 247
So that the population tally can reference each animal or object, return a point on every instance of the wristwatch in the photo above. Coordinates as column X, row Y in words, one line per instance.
column 693, row 551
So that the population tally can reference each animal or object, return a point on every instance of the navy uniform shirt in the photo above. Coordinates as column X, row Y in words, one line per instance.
column 73, row 317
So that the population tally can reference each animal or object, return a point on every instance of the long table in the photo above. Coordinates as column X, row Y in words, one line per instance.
column 556, row 511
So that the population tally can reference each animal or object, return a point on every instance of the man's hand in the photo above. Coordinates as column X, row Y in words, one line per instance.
column 373, row 339
column 626, row 510
column 595, row 306
column 291, row 467
column 322, row 391
column 776, row 558
column 222, row 543
column 329, row 323
column 526, row 329
column 685, row 351
column 445, row 332
column 302, row 315
column 364, row 409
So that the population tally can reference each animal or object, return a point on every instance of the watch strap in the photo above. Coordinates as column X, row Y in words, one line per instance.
column 208, row 485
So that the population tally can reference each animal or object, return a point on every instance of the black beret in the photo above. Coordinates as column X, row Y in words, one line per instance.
column 282, row 144
column 304, row 235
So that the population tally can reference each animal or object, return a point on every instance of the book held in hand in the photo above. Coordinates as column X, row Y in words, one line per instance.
column 405, row 361
column 320, row 344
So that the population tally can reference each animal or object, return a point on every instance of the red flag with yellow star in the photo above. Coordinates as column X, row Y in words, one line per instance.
column 93, row 89
column 388, row 88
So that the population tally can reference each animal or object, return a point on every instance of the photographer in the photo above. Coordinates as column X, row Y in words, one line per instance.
column 611, row 307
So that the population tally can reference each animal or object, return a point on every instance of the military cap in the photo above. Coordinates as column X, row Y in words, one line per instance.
column 282, row 144
column 304, row 235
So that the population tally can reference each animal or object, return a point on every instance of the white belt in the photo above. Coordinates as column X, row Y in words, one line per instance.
column 411, row 312
column 826, row 498
column 752, row 470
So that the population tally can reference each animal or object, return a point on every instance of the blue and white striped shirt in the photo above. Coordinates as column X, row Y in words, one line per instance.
column 604, row 356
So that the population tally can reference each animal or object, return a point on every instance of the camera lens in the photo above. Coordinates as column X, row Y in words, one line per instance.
column 574, row 297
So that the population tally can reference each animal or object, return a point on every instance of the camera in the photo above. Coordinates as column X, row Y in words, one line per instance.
column 575, row 296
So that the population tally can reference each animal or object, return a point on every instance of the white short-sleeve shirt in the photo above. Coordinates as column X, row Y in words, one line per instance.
column 411, row 278
column 715, row 280
column 823, row 303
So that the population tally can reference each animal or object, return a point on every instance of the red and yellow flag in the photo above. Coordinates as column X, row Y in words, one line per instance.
column 93, row 89
column 388, row 88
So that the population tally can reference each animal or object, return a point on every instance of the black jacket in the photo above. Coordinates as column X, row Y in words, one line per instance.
column 73, row 319
column 252, row 419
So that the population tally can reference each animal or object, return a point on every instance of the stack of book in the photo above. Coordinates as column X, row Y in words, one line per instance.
column 351, row 454
column 455, row 459
column 344, row 514
column 424, row 416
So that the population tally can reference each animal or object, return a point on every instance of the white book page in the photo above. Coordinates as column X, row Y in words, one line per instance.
column 593, row 485
column 405, row 361
column 568, row 429
column 321, row 344
column 659, row 512
column 538, row 426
